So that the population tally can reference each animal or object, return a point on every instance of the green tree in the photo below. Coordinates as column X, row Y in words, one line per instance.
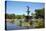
column 40, row 13
column 18, row 16
column 10, row 16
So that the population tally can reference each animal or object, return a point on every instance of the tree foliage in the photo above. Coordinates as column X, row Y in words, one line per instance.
column 39, row 13
column 10, row 16
column 13, row 16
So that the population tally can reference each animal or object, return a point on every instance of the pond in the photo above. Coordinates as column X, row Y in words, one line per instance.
column 14, row 26
column 11, row 26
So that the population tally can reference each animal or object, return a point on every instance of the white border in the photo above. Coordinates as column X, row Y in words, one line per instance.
column 28, row 0
column 2, row 14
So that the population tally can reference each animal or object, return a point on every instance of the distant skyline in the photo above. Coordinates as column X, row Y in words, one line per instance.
column 19, row 8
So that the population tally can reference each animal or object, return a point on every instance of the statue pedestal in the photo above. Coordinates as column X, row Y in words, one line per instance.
column 28, row 18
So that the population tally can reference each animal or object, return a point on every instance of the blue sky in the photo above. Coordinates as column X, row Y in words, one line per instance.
column 20, row 8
